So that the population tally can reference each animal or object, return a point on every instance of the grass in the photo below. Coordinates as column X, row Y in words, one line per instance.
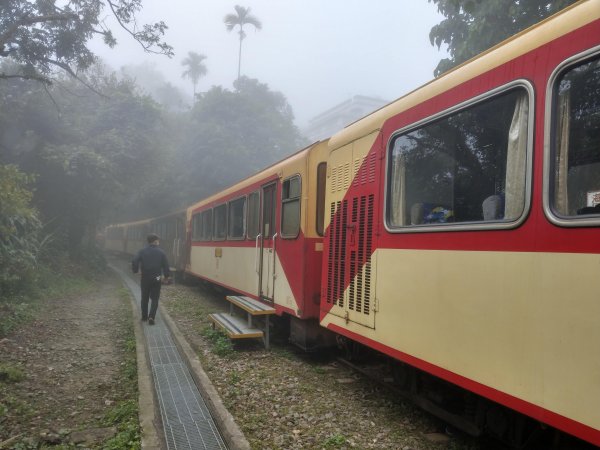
column 234, row 377
column 11, row 374
column 125, row 414
column 334, row 441
column 18, row 307
column 221, row 344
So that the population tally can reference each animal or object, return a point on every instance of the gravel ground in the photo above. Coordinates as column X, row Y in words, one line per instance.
column 286, row 399
column 68, row 377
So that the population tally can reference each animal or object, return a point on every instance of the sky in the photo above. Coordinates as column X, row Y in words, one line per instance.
column 318, row 53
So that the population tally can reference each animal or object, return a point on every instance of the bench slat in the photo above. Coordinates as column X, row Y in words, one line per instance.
column 251, row 306
column 235, row 327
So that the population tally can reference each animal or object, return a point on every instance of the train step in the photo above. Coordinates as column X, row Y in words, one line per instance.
column 251, row 306
column 235, row 327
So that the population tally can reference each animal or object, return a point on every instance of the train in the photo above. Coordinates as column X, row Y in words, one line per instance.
column 455, row 230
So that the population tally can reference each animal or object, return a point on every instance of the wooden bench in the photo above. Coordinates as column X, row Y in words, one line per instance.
column 237, row 328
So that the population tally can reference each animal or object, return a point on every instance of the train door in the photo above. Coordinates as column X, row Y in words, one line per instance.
column 350, row 268
column 266, row 242
column 179, row 243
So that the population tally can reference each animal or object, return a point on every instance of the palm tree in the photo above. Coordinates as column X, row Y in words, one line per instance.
column 240, row 18
column 195, row 68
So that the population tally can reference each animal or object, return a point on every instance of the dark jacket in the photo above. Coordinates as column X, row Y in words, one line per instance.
column 153, row 262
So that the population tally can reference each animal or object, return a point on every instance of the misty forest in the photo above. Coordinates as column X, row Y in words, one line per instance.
column 83, row 145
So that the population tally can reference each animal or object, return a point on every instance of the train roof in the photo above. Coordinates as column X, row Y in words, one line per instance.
column 180, row 211
column 571, row 18
column 267, row 171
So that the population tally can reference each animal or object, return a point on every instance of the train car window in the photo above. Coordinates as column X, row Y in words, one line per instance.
column 253, row 215
column 466, row 167
column 575, row 154
column 321, row 180
column 220, row 222
column 206, row 225
column 196, row 221
column 290, row 207
column 237, row 213
column 268, row 211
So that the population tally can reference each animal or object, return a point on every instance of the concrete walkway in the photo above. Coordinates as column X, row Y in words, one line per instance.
column 179, row 406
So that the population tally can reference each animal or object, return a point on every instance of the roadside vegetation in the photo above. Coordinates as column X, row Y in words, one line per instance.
column 68, row 374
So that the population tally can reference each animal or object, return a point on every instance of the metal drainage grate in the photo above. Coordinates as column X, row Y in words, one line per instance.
column 186, row 418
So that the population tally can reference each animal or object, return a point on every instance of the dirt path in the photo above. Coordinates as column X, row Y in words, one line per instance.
column 75, row 366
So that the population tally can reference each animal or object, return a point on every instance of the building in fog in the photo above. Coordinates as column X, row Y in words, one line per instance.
column 334, row 119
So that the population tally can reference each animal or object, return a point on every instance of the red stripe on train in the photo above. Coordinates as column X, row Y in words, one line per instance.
column 537, row 412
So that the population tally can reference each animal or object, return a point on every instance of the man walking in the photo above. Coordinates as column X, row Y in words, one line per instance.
column 153, row 262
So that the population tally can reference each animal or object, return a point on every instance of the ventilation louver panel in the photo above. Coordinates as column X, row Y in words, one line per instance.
column 356, row 260
column 336, row 266
column 360, row 259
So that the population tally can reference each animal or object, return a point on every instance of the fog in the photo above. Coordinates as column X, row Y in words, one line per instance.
column 317, row 53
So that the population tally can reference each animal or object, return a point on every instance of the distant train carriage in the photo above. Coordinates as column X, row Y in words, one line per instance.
column 465, row 241
column 114, row 238
column 135, row 236
column 171, row 228
column 262, row 236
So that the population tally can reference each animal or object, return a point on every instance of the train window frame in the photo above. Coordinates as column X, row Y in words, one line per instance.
column 290, row 201
column 206, row 218
column 220, row 231
column 256, row 212
column 242, row 235
column 554, row 217
column 196, row 224
column 463, row 106
column 320, row 200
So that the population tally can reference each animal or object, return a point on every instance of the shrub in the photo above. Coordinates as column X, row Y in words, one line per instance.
column 19, row 228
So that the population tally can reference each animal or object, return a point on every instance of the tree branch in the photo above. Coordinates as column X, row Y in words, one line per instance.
column 40, row 78
column 26, row 20
column 135, row 34
column 70, row 71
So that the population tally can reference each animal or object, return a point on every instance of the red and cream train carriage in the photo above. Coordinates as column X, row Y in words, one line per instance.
column 463, row 230
column 262, row 237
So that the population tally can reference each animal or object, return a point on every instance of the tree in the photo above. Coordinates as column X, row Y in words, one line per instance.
column 19, row 227
column 232, row 134
column 45, row 36
column 153, row 82
column 195, row 68
column 91, row 153
column 473, row 26
column 241, row 17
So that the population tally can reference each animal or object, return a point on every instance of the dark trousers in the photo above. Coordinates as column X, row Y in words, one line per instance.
column 150, row 291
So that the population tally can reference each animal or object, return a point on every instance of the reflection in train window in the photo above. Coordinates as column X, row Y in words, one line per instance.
column 206, row 225
column 253, row 215
column 290, row 207
column 575, row 173
column 237, row 210
column 468, row 166
column 219, row 222
column 321, row 180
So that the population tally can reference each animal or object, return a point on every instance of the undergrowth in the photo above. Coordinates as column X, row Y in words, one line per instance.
column 221, row 344
column 125, row 414
column 49, row 281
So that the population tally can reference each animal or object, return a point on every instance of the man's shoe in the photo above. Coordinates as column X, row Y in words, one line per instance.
column 144, row 319
column 150, row 321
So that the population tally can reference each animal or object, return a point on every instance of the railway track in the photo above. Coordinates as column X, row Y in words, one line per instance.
column 549, row 439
